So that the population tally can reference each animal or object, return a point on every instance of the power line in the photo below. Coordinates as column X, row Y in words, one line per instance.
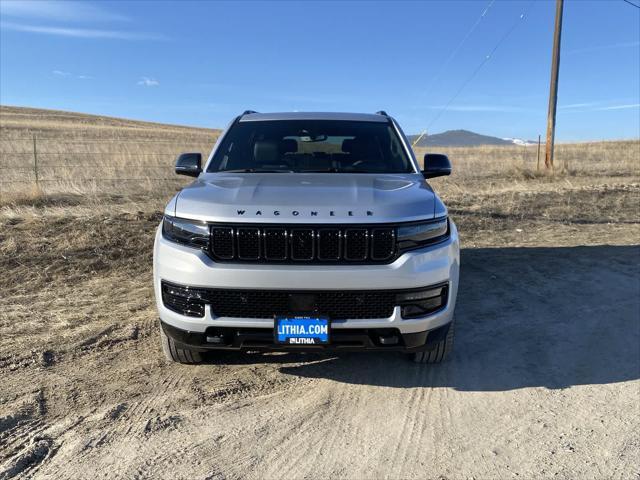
column 457, row 49
column 631, row 3
column 475, row 72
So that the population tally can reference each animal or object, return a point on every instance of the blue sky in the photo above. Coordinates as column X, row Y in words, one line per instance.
column 200, row 63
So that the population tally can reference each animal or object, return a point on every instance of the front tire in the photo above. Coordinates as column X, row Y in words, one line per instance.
column 439, row 353
column 176, row 354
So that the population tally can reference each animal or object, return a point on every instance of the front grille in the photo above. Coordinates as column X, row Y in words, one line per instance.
column 295, row 244
column 336, row 304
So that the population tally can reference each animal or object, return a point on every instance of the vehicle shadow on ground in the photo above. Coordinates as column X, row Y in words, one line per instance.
column 526, row 317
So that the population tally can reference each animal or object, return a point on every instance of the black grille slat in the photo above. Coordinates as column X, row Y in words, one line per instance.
column 302, row 247
column 248, row 240
column 329, row 244
column 356, row 244
column 275, row 244
column 383, row 243
column 222, row 242
column 287, row 243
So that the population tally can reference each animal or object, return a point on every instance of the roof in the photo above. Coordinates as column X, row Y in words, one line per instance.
column 358, row 117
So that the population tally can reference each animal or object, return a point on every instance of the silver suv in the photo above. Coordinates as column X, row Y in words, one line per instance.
column 307, row 231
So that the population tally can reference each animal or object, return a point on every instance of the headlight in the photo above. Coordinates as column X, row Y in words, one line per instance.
column 421, row 234
column 187, row 232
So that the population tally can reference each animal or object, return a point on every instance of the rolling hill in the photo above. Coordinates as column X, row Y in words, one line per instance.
column 459, row 138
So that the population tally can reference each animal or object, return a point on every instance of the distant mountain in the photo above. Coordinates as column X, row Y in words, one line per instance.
column 459, row 138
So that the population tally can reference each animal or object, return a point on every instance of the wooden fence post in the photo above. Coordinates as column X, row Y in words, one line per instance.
column 35, row 159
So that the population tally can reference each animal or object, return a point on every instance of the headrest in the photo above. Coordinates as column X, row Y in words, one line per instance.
column 366, row 149
column 288, row 145
column 347, row 145
column 266, row 152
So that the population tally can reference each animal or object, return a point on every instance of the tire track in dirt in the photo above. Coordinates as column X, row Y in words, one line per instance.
column 325, row 409
column 230, row 394
column 25, row 445
column 135, row 415
column 29, row 459
column 144, row 426
column 412, row 422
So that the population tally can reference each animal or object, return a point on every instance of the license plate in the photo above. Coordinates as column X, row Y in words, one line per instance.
column 302, row 330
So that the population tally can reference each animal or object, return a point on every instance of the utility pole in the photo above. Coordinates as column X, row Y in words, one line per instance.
column 553, row 91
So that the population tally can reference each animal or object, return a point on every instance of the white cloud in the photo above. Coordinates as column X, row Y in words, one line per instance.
column 148, row 82
column 596, row 107
column 578, row 105
column 620, row 107
column 596, row 48
column 79, row 32
column 62, row 73
column 59, row 10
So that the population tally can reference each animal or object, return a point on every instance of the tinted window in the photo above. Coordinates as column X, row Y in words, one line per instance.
column 311, row 146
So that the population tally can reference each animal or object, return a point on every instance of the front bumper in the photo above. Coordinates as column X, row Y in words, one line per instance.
column 229, row 338
column 420, row 268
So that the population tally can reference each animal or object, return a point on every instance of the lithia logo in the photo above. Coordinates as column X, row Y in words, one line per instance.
column 311, row 213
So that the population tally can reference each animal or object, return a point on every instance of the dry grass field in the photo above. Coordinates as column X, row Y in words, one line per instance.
column 86, row 154
column 544, row 382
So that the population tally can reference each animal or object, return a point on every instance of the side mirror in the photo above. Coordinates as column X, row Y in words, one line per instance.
column 189, row 164
column 436, row 165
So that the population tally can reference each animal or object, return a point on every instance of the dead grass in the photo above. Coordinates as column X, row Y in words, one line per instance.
column 611, row 158
column 90, row 155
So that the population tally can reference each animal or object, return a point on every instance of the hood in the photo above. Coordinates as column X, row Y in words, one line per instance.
column 307, row 198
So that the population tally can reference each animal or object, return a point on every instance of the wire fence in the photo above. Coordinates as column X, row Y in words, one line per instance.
column 44, row 159
column 105, row 163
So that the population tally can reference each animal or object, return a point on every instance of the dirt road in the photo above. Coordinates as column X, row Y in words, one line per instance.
column 544, row 382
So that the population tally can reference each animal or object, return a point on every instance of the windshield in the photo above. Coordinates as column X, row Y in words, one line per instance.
column 307, row 146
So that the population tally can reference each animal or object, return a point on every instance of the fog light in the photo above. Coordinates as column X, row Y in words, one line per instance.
column 419, row 303
column 183, row 300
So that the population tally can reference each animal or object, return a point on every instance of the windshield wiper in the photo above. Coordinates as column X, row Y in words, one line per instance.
column 337, row 170
column 321, row 170
column 255, row 170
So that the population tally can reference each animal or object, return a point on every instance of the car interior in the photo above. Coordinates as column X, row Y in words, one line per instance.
column 285, row 154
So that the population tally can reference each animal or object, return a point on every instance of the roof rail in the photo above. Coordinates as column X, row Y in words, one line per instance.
column 382, row 112
column 248, row 112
